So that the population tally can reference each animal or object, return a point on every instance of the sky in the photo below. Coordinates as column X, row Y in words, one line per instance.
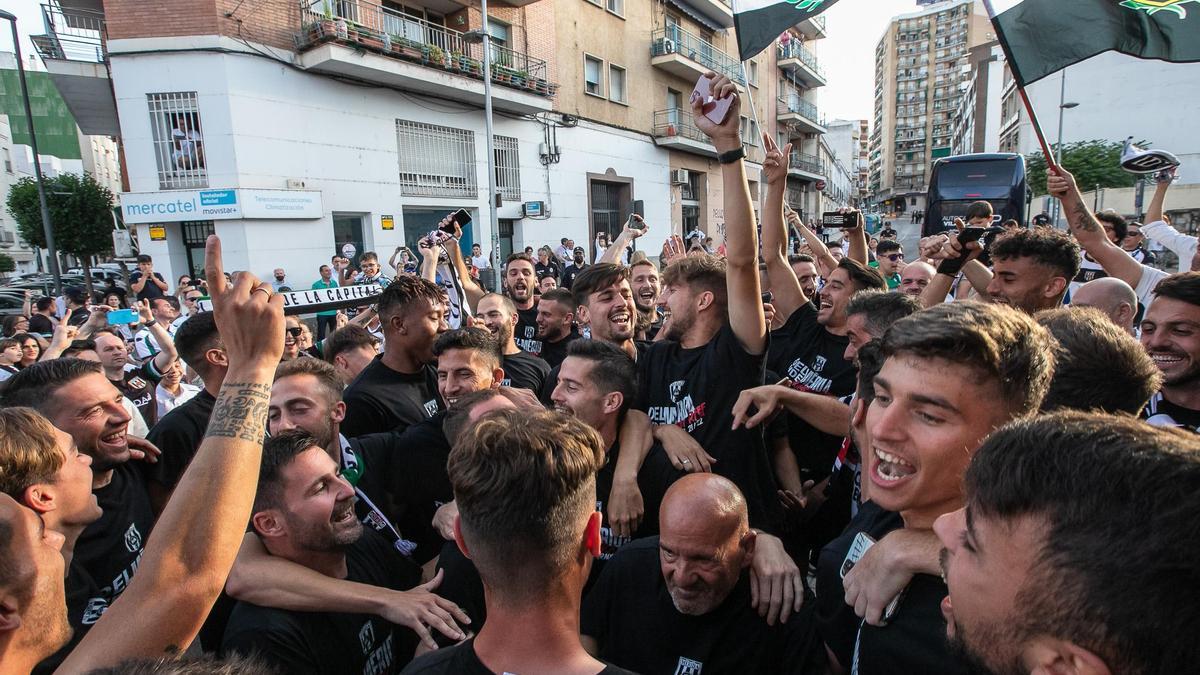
column 847, row 55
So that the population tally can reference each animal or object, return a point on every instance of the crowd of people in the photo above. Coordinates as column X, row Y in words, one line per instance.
column 775, row 455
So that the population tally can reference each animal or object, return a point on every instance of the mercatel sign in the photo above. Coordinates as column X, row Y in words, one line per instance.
column 320, row 299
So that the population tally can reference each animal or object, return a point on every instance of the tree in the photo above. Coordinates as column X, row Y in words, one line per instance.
column 80, row 213
column 7, row 264
column 1091, row 162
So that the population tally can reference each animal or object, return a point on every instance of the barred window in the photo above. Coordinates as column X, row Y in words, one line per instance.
column 179, row 150
column 508, row 168
column 436, row 161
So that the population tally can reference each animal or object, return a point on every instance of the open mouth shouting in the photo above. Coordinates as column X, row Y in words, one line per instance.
column 890, row 470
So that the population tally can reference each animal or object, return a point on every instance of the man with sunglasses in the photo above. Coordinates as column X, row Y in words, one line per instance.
column 889, row 260
column 1134, row 244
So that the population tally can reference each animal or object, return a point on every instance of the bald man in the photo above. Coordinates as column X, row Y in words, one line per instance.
column 1113, row 297
column 690, row 589
column 915, row 278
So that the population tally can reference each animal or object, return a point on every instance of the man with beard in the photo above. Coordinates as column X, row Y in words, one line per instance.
column 399, row 387
column 644, row 280
column 76, row 397
column 1059, row 510
column 805, row 268
column 1171, row 335
column 951, row 375
column 521, row 369
column 520, row 280
column 45, row 472
column 556, row 325
column 304, row 512
column 572, row 271
column 690, row 589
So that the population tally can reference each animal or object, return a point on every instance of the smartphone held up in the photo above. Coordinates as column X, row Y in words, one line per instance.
column 715, row 109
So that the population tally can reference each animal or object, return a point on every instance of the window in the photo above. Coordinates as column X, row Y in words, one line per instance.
column 508, row 168
column 617, row 7
column 616, row 84
column 593, row 82
column 754, row 73
column 674, row 107
column 8, row 166
column 610, row 207
column 436, row 161
column 177, row 140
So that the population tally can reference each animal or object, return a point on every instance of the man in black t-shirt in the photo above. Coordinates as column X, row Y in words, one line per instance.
column 1168, row 334
column 145, row 282
column 304, row 512
column 76, row 397
column 77, row 306
column 136, row 382
column 521, row 369
column 690, row 588
column 520, row 282
column 556, row 325
column 573, row 270
column 44, row 471
column 525, row 485
column 42, row 321
column 399, row 387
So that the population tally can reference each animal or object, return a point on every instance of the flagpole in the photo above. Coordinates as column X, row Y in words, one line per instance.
column 1012, row 67
column 750, row 98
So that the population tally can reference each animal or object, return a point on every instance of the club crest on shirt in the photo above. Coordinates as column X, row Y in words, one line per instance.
column 431, row 407
column 688, row 666
column 677, row 389
column 94, row 610
column 133, row 539
column 819, row 363
column 366, row 637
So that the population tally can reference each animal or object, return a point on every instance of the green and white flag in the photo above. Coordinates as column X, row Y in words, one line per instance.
column 759, row 22
column 1044, row 36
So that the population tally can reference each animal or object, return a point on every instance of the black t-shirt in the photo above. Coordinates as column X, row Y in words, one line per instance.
column 525, row 333
column 41, row 325
column 550, row 269
column 85, row 605
column 696, row 389
column 914, row 639
column 524, row 371
column 329, row 643
column 409, row 467
column 837, row 623
column 554, row 353
column 461, row 660
column 1160, row 412
column 630, row 613
column 552, row 379
column 382, row 399
column 569, row 274
column 78, row 316
column 813, row 359
column 151, row 289
column 138, row 384
column 178, row 435
column 110, row 549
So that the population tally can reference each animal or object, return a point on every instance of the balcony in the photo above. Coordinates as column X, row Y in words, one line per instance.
column 812, row 28
column 801, row 64
column 719, row 12
column 802, row 116
column 674, row 129
column 687, row 56
column 805, row 166
column 911, row 183
column 74, row 49
column 369, row 42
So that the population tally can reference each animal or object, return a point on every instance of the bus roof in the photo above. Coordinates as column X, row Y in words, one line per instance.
column 981, row 157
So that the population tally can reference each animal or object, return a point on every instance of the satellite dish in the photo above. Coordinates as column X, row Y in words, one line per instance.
column 1142, row 161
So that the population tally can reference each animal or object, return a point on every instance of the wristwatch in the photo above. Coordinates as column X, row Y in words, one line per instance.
column 732, row 156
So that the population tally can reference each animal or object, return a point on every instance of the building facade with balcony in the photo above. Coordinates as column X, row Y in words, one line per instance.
column 299, row 129
column 921, row 71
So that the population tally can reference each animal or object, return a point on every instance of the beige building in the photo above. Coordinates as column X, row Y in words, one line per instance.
column 921, row 68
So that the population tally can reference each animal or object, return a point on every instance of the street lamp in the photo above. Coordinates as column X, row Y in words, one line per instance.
column 1063, row 106
column 37, row 162
column 484, row 37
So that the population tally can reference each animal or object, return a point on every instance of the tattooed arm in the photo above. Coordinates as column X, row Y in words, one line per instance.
column 1088, row 232
column 195, row 541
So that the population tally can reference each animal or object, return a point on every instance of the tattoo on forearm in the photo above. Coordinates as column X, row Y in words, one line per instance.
column 241, row 411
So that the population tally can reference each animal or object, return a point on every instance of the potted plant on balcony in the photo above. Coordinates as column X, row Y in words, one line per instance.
column 470, row 65
column 436, row 56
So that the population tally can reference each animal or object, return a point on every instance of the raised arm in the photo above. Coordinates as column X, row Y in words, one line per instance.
column 195, row 541
column 857, row 237
column 613, row 254
column 1088, row 232
column 741, row 236
column 1156, row 227
column 826, row 263
column 789, row 296
column 472, row 289
column 168, row 354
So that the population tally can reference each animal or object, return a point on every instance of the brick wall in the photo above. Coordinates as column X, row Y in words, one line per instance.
column 271, row 22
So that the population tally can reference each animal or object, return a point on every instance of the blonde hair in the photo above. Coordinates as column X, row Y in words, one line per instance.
column 28, row 450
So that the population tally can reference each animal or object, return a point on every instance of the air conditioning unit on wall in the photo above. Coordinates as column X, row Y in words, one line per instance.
column 679, row 177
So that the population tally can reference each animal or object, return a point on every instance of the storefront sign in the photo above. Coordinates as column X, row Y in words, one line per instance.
column 388, row 222
column 158, row 233
column 229, row 204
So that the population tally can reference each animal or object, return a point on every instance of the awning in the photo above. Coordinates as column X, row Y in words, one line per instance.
column 695, row 15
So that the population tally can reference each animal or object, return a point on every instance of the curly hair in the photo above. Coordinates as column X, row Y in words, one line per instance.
column 1051, row 248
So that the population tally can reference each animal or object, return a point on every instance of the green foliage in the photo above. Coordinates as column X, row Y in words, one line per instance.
column 80, row 210
column 1091, row 162
column 7, row 264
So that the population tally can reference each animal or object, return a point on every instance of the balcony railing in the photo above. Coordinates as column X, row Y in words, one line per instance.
column 675, row 40
column 795, row 50
column 72, row 35
column 365, row 25
column 800, row 107
column 805, row 162
column 677, row 122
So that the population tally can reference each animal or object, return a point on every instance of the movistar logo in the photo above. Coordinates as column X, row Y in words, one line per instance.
column 809, row 5
column 1150, row 7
